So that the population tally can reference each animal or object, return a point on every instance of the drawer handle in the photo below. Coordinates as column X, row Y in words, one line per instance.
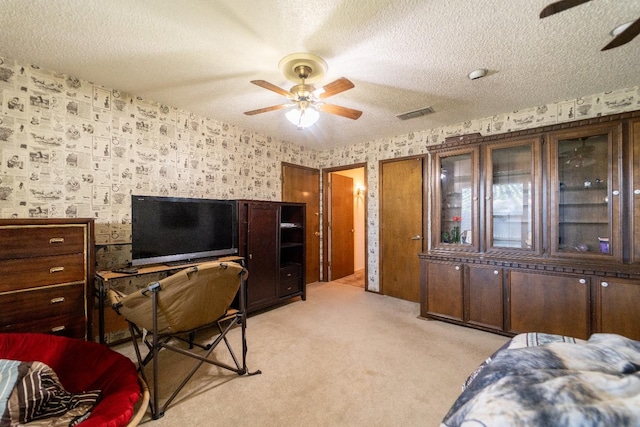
column 56, row 240
column 56, row 269
column 58, row 328
column 57, row 300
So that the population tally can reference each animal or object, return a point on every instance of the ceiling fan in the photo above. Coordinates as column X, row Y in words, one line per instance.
column 626, row 34
column 306, row 100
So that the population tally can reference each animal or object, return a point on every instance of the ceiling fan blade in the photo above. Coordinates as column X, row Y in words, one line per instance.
column 560, row 6
column 272, row 87
column 267, row 109
column 340, row 111
column 335, row 87
column 624, row 37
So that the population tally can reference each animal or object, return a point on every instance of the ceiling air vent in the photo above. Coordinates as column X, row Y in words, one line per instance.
column 417, row 113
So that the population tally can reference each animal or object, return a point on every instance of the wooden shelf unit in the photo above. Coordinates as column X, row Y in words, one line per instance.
column 582, row 187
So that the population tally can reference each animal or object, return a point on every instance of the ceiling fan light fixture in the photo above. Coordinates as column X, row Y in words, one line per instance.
column 303, row 117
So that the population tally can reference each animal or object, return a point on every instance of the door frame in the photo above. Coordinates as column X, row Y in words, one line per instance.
column 325, row 227
column 425, row 206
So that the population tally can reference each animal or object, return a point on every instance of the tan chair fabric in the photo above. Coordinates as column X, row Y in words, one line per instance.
column 191, row 298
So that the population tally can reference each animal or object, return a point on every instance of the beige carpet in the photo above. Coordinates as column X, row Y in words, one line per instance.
column 343, row 357
column 355, row 279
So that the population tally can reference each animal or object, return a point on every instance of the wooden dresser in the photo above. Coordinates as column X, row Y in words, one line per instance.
column 46, row 276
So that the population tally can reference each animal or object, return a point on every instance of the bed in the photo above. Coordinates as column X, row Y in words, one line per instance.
column 540, row 379
column 76, row 370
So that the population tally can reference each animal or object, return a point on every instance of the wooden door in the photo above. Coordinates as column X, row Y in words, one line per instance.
column 617, row 307
column 485, row 298
column 262, row 253
column 552, row 304
column 341, row 253
column 302, row 185
column 444, row 291
column 401, row 223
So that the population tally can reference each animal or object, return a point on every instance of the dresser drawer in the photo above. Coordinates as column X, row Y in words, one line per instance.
column 34, row 272
column 26, row 241
column 21, row 307
column 67, row 325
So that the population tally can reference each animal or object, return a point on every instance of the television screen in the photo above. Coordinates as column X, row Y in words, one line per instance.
column 174, row 229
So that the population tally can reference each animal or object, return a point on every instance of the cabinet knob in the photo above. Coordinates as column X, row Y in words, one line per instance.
column 457, row 268
column 496, row 272
column 604, row 284
column 615, row 192
column 636, row 192
column 416, row 237
column 583, row 281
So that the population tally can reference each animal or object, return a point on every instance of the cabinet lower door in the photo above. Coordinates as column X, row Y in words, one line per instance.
column 485, row 306
column 617, row 311
column 549, row 303
column 262, row 250
column 444, row 291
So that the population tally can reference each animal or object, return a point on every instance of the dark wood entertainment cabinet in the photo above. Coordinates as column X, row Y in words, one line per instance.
column 537, row 230
column 272, row 241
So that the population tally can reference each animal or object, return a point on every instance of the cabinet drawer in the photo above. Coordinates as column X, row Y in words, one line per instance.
column 25, row 241
column 288, row 286
column 21, row 307
column 290, row 271
column 68, row 325
column 34, row 272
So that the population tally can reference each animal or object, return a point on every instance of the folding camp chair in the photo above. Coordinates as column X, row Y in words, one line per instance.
column 173, row 309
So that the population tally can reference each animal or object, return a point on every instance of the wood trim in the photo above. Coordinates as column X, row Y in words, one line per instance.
column 324, row 226
column 454, row 143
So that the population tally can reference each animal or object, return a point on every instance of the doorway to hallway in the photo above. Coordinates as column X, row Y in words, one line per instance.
column 344, row 225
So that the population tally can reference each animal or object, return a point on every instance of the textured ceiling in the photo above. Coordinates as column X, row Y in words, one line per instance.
column 402, row 55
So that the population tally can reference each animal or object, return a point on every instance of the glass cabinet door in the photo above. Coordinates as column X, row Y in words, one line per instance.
column 511, row 196
column 634, row 205
column 585, row 193
column 456, row 200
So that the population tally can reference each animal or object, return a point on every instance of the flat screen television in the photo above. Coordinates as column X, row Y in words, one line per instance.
column 175, row 229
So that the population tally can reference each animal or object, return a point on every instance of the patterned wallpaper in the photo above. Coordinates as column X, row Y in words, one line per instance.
column 71, row 148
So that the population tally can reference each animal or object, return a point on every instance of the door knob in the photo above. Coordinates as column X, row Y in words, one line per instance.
column 317, row 233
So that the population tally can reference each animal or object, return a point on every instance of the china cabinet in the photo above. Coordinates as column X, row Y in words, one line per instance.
column 456, row 227
column 537, row 230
